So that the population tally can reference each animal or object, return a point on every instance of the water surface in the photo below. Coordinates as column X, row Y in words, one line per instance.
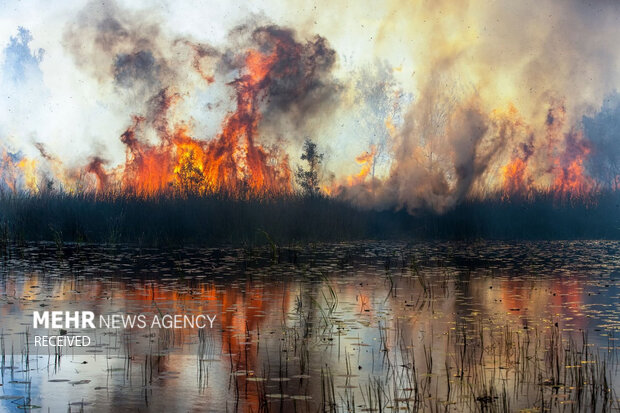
column 376, row 326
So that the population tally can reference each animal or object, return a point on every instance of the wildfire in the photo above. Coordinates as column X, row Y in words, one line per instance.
column 162, row 153
column 147, row 168
column 232, row 163
column 28, row 168
column 366, row 161
column 444, row 164
column 513, row 177
column 572, row 179
column 19, row 172
column 556, row 166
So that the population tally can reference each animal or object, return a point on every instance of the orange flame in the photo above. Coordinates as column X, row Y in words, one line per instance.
column 366, row 160
column 513, row 177
column 556, row 166
column 28, row 168
column 571, row 180
column 233, row 162
column 16, row 174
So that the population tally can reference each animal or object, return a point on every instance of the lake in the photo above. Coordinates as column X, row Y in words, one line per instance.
column 365, row 326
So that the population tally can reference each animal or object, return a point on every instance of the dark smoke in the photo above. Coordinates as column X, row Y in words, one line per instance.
column 131, row 67
column 152, row 71
column 96, row 166
column 43, row 151
column 300, row 79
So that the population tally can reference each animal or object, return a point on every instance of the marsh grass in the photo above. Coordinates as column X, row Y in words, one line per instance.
column 289, row 219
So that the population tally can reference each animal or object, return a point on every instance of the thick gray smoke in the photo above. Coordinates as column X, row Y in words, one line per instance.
column 129, row 52
column 487, row 78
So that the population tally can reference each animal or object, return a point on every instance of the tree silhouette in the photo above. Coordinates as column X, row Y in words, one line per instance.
column 308, row 178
